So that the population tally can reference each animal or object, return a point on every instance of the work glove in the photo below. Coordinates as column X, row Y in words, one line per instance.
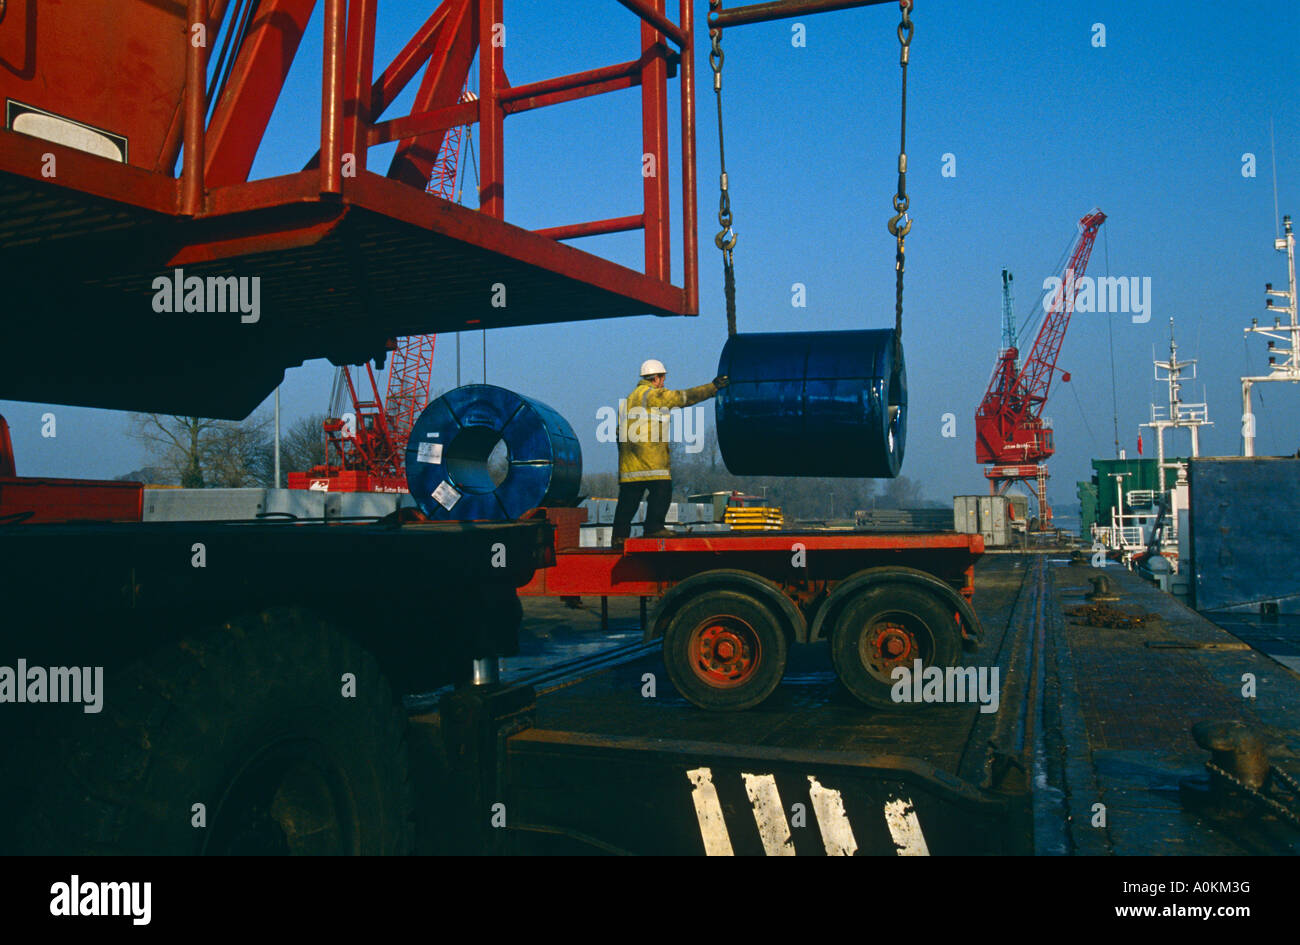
column 721, row 381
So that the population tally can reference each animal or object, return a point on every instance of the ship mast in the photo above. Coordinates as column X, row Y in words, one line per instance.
column 1289, row 369
column 1177, row 413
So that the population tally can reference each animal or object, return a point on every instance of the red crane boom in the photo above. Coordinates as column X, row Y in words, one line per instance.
column 1009, row 428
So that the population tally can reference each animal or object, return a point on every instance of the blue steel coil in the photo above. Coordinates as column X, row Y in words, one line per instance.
column 813, row 403
column 481, row 452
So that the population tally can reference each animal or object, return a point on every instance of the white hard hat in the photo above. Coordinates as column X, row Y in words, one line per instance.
column 653, row 367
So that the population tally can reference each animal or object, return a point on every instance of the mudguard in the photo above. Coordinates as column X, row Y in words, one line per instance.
column 972, row 631
column 728, row 579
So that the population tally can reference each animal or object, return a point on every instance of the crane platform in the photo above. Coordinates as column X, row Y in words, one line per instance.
column 116, row 266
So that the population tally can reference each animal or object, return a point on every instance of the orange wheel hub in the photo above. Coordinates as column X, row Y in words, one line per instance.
column 725, row 651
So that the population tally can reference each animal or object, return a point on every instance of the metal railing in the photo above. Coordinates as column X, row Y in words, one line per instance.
column 349, row 90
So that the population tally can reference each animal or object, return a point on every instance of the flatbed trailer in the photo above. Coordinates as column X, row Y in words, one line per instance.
column 730, row 606
column 601, row 757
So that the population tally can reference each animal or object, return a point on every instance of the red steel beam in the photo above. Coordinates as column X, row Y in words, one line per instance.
column 491, row 191
column 360, row 65
column 196, row 109
column 256, row 78
column 332, row 132
column 595, row 228
column 410, row 126
column 570, row 95
column 168, row 153
column 651, row 11
column 395, row 78
column 408, row 62
column 395, row 200
column 443, row 80
column 574, row 80
column 20, row 155
column 690, row 224
column 780, row 10
column 654, row 143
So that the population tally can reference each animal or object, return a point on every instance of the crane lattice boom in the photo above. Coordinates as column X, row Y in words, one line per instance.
column 1008, row 425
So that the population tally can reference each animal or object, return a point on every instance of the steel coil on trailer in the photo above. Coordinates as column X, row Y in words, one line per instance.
column 805, row 403
column 483, row 452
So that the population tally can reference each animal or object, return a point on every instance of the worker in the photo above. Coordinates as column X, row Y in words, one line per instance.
column 643, row 462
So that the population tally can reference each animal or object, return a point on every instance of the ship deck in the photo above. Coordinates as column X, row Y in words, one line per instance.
column 1094, row 715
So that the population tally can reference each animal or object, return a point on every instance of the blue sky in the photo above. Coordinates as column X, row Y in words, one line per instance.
column 1043, row 126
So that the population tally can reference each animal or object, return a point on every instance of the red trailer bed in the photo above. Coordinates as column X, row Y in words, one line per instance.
column 728, row 606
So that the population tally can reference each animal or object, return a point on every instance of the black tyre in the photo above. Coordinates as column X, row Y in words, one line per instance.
column 886, row 626
column 251, row 720
column 725, row 651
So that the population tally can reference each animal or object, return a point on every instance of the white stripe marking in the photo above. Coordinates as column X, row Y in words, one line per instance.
column 773, row 828
column 708, row 811
column 904, row 827
column 837, row 832
column 646, row 474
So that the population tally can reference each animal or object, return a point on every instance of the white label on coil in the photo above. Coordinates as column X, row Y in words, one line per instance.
column 446, row 495
column 429, row 453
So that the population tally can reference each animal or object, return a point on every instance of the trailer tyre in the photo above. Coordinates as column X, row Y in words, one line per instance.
column 725, row 651
column 273, row 734
column 887, row 626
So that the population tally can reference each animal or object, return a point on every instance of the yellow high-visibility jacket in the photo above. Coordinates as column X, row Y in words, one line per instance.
column 643, row 429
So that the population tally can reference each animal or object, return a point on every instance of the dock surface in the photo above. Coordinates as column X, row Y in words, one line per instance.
column 1089, row 752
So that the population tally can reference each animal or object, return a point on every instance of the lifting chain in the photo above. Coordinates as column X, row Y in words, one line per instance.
column 1288, row 808
column 900, row 223
column 726, row 238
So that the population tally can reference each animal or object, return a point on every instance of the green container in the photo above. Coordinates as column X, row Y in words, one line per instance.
column 1143, row 474
column 1087, row 492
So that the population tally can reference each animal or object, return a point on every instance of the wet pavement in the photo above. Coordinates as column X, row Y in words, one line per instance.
column 554, row 632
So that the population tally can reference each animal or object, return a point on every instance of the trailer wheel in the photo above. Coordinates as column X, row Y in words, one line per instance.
column 282, row 728
column 887, row 626
column 724, row 651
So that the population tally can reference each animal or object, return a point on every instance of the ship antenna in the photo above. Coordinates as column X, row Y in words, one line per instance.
column 1273, row 149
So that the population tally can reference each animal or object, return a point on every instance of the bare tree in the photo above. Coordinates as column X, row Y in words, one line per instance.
column 200, row 452
column 175, row 444
column 303, row 446
column 240, row 455
column 601, row 485
column 902, row 493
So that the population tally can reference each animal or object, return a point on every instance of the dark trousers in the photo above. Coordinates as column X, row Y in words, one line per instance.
column 656, row 509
